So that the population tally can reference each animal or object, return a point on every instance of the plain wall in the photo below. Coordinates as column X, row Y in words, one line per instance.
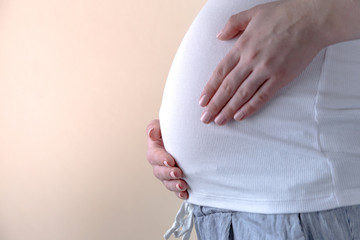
column 79, row 82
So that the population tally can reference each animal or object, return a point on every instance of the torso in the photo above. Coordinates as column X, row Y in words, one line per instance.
column 291, row 155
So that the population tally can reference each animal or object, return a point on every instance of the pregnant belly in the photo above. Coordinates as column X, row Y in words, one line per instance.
column 256, row 155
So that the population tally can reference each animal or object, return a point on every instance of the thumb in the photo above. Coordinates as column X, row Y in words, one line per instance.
column 153, row 130
column 236, row 23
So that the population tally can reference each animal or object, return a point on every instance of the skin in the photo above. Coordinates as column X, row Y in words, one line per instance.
column 157, row 155
column 277, row 42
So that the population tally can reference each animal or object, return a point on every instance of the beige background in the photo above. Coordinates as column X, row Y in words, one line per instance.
column 79, row 81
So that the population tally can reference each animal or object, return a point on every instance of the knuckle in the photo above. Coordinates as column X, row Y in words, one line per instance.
column 156, row 172
column 152, row 156
column 240, row 45
column 214, row 107
column 253, row 55
column 243, row 41
column 266, row 65
column 279, row 74
column 263, row 97
column 231, row 109
column 250, row 108
column 168, row 185
column 244, row 93
column 210, row 89
column 219, row 72
column 228, row 88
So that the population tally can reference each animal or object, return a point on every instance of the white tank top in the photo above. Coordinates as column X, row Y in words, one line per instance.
column 299, row 153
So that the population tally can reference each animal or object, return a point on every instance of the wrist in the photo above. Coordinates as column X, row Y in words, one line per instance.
column 336, row 20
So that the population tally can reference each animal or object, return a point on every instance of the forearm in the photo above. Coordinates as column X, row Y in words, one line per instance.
column 338, row 20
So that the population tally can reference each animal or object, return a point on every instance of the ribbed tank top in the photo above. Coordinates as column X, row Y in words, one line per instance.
column 299, row 153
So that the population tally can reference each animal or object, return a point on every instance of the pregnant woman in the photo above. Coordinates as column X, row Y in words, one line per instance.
column 276, row 154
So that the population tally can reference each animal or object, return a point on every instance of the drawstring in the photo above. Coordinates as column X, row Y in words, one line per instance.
column 183, row 220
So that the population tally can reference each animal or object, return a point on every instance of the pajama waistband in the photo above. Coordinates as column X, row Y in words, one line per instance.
column 184, row 222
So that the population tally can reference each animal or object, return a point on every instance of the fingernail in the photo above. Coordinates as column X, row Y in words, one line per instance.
column 149, row 132
column 166, row 164
column 219, row 34
column 239, row 116
column 181, row 195
column 205, row 117
column 172, row 174
column 179, row 188
column 220, row 119
column 203, row 100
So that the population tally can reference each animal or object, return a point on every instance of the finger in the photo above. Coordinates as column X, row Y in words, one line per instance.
column 246, row 90
column 182, row 195
column 225, row 92
column 262, row 96
column 153, row 130
column 175, row 185
column 220, row 72
column 156, row 152
column 157, row 155
column 236, row 23
column 167, row 173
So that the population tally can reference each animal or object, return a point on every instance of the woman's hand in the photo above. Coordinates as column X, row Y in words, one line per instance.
column 278, row 41
column 164, row 165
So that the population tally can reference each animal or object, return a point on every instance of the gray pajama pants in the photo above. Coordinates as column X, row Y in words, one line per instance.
column 220, row 224
column 341, row 223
